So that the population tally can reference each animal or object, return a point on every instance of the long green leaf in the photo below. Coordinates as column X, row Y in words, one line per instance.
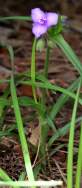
column 79, row 162
column 71, row 140
column 19, row 121
column 4, row 176
column 21, row 131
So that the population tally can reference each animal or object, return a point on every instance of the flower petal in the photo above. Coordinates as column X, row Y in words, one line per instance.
column 52, row 19
column 37, row 14
column 39, row 29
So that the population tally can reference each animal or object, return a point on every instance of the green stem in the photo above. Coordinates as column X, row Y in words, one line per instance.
column 43, row 136
column 43, row 124
column 45, row 73
column 46, row 62
column 33, row 72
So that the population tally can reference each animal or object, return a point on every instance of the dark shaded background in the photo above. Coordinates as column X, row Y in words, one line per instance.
column 67, row 7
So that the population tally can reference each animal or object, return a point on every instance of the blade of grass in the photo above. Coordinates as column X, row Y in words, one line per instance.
column 27, row 101
column 62, row 131
column 22, row 18
column 56, row 149
column 79, row 162
column 4, row 175
column 21, row 131
column 19, row 121
column 70, row 144
column 50, row 123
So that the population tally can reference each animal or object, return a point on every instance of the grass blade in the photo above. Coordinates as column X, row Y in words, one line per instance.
column 4, row 175
column 79, row 162
column 19, row 121
column 21, row 131
column 70, row 144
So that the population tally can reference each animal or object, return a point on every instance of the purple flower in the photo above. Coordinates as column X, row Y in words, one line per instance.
column 42, row 21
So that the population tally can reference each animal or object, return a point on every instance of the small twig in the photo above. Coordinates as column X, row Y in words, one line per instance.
column 33, row 183
column 60, row 171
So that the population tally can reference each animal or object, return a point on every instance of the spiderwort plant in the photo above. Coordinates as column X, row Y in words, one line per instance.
column 51, row 23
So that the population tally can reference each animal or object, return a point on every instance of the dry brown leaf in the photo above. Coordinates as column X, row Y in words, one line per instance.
column 35, row 135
